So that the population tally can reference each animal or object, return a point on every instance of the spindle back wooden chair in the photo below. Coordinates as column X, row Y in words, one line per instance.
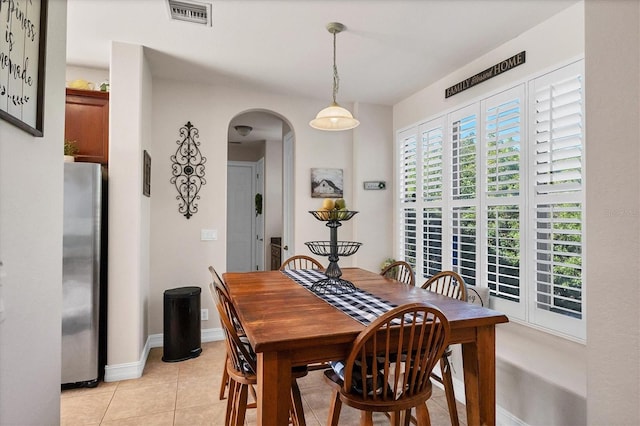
column 372, row 379
column 216, row 282
column 451, row 284
column 242, row 367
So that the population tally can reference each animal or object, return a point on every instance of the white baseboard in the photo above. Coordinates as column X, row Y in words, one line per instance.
column 129, row 370
column 133, row 370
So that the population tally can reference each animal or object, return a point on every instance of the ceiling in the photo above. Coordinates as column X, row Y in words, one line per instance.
column 389, row 50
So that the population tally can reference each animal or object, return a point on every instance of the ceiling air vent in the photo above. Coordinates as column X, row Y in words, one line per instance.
column 190, row 11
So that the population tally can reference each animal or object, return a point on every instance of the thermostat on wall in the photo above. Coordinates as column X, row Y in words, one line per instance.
column 378, row 184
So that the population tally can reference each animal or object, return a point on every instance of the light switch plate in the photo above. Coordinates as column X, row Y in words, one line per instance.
column 208, row 234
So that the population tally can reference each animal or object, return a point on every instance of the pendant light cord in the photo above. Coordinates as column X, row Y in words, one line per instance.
column 336, row 79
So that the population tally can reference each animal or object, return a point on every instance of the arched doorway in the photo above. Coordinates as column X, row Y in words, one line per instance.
column 258, row 179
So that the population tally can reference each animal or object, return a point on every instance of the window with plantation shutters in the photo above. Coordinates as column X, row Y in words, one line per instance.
column 502, row 134
column 494, row 191
column 557, row 196
column 408, row 226
column 432, row 155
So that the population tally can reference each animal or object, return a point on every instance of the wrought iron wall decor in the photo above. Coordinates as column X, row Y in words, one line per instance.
column 188, row 170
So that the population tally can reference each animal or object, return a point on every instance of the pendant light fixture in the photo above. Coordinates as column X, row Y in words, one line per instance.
column 334, row 117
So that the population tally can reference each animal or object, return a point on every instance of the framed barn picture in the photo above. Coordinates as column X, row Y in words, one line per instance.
column 326, row 183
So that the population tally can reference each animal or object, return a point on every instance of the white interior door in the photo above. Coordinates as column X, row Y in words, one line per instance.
column 241, row 228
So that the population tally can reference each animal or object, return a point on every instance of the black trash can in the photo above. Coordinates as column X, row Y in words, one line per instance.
column 181, row 339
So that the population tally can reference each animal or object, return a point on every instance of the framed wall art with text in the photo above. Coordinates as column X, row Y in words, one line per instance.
column 22, row 56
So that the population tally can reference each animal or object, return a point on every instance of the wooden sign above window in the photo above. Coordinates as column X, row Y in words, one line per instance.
column 485, row 75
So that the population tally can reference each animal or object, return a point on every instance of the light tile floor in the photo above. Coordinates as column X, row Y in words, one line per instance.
column 186, row 393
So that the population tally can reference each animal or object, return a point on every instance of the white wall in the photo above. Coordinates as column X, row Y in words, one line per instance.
column 248, row 152
column 130, row 112
column 548, row 44
column 178, row 257
column 531, row 364
column 613, row 211
column 373, row 161
column 31, row 186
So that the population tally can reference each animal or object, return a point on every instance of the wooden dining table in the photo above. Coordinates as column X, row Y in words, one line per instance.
column 288, row 325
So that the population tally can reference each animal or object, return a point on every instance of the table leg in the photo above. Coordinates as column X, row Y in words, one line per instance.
column 274, row 388
column 479, row 360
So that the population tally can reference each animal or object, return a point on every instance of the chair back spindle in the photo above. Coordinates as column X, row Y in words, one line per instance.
column 400, row 271
column 301, row 261
column 447, row 283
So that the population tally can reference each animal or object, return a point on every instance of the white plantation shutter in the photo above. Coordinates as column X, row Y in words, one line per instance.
column 558, row 134
column 502, row 134
column 433, row 183
column 558, row 131
column 464, row 137
column 432, row 139
column 464, row 154
column 559, row 259
column 463, row 232
column 408, row 236
column 503, row 251
column 408, row 168
column 432, row 241
column 502, row 142
column 408, row 179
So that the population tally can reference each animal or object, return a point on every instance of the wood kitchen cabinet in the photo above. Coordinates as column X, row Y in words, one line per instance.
column 87, row 123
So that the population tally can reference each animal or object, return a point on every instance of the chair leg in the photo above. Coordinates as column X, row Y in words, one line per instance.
column 447, row 381
column 422, row 415
column 334, row 408
column 396, row 418
column 231, row 402
column 407, row 418
column 225, row 378
column 297, row 411
column 366, row 418
column 241, row 406
column 252, row 392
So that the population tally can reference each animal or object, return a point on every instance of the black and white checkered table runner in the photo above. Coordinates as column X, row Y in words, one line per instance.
column 360, row 305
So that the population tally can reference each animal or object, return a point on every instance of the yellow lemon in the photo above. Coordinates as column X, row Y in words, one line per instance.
column 328, row 204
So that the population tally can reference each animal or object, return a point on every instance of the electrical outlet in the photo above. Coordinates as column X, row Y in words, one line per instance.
column 204, row 314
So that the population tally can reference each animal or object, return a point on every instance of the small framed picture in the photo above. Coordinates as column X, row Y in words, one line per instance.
column 326, row 183
column 146, row 174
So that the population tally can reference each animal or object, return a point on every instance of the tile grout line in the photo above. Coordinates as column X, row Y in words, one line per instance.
column 113, row 395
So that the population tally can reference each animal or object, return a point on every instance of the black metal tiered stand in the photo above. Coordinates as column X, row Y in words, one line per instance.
column 333, row 284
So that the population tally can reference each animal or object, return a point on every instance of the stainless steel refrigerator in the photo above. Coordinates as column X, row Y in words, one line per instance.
column 84, row 274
